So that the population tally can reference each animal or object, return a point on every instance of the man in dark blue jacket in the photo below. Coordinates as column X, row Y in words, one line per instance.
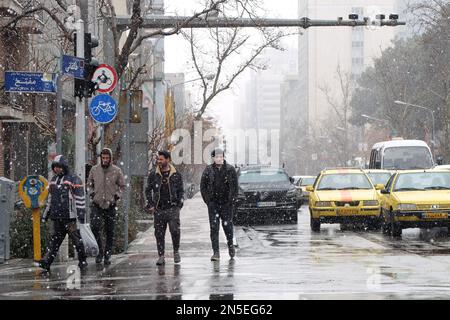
column 165, row 196
column 65, row 203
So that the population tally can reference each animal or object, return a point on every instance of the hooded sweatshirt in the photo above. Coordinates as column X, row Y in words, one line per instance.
column 106, row 184
column 66, row 198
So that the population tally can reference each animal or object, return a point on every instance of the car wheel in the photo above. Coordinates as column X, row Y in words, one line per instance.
column 315, row 224
column 374, row 225
column 396, row 229
column 237, row 220
column 385, row 225
column 293, row 216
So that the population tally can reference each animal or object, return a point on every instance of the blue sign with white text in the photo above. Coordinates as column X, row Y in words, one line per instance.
column 39, row 82
column 72, row 66
column 103, row 108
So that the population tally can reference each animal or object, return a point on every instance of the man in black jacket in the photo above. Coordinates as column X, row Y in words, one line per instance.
column 219, row 189
column 65, row 203
column 165, row 196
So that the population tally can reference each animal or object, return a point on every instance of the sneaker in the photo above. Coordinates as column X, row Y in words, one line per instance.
column 176, row 257
column 215, row 257
column 107, row 261
column 231, row 251
column 98, row 259
column 44, row 265
column 161, row 261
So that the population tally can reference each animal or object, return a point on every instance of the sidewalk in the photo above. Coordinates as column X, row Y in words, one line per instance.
column 130, row 275
column 195, row 238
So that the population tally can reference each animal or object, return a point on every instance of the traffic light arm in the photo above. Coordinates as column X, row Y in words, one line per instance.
column 164, row 22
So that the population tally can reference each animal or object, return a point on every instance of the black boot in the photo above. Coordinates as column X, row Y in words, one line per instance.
column 44, row 265
column 83, row 265
column 98, row 259
column 107, row 261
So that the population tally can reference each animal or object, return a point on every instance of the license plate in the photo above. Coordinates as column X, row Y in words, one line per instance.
column 347, row 211
column 435, row 215
column 266, row 204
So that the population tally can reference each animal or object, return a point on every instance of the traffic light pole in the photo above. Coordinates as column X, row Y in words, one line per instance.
column 164, row 22
column 80, row 121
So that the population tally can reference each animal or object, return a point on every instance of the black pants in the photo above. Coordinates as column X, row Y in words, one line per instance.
column 108, row 217
column 219, row 212
column 61, row 227
column 163, row 218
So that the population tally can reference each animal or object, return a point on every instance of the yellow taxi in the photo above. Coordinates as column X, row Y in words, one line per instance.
column 344, row 196
column 415, row 199
column 379, row 176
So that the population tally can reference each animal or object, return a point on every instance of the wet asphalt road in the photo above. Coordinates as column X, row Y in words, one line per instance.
column 272, row 262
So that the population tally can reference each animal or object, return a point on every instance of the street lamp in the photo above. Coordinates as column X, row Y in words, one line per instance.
column 208, row 77
column 432, row 118
column 380, row 120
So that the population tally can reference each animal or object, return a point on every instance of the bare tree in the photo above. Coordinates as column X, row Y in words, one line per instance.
column 227, row 53
column 340, row 103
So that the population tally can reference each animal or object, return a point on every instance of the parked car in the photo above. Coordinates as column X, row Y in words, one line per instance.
column 266, row 194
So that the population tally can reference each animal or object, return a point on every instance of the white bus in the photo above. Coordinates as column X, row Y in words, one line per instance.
column 401, row 155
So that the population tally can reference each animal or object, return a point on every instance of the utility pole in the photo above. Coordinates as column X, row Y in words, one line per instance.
column 59, row 106
column 80, row 121
column 126, row 141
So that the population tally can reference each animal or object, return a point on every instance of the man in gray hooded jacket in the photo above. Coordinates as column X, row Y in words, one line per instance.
column 106, row 184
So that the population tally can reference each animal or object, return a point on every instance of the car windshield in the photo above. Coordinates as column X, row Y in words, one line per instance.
column 344, row 181
column 379, row 177
column 263, row 176
column 404, row 158
column 423, row 181
column 296, row 180
column 307, row 181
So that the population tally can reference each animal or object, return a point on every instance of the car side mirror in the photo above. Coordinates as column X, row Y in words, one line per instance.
column 291, row 179
column 310, row 188
column 384, row 191
column 379, row 186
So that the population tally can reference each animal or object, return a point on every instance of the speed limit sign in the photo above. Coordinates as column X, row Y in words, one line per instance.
column 105, row 77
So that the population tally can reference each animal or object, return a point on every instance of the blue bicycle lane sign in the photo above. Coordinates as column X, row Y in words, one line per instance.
column 103, row 108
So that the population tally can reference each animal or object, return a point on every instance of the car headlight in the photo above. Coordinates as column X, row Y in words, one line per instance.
column 323, row 204
column 370, row 203
column 407, row 206
column 292, row 193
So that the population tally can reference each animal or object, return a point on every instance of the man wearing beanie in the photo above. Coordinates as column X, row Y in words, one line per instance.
column 106, row 184
column 219, row 189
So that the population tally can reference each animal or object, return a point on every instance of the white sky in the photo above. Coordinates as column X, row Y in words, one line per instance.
column 177, row 55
